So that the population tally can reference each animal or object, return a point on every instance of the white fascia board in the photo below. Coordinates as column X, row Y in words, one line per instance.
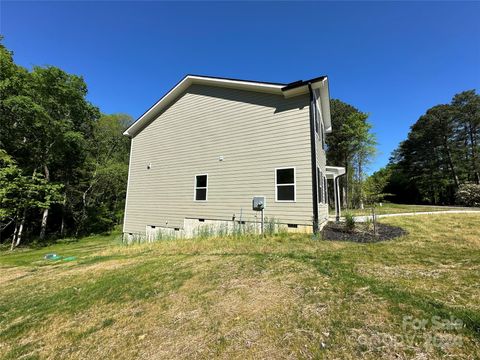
column 324, row 103
column 296, row 91
column 192, row 79
column 333, row 171
column 238, row 84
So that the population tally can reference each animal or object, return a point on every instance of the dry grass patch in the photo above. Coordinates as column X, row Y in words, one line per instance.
column 279, row 297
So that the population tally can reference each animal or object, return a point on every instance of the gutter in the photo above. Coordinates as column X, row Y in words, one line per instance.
column 300, row 83
column 313, row 154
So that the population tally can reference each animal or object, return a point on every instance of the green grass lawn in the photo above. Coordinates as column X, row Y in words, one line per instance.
column 390, row 208
column 279, row 297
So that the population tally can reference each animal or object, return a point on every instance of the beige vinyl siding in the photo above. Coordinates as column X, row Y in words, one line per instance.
column 254, row 132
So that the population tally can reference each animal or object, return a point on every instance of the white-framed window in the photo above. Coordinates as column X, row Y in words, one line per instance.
column 285, row 189
column 317, row 122
column 201, row 187
column 319, row 125
column 319, row 185
column 325, row 189
column 323, row 135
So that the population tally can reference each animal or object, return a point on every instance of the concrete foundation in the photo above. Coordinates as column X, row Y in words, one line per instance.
column 195, row 227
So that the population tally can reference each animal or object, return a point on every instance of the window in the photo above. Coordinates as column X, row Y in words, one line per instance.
column 201, row 187
column 319, row 185
column 285, row 184
column 323, row 136
column 316, row 113
column 325, row 189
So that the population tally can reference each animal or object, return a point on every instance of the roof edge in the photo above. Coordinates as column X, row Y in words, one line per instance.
column 287, row 90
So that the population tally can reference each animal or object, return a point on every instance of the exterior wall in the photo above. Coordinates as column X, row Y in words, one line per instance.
column 254, row 132
column 321, row 163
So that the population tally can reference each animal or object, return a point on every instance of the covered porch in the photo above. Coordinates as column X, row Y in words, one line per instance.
column 334, row 173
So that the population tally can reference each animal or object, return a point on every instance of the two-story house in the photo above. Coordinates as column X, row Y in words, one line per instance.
column 207, row 147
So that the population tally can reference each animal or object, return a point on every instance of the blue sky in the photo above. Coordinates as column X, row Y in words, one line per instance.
column 392, row 60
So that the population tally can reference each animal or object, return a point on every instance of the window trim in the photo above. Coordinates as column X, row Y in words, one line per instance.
column 289, row 184
column 201, row 187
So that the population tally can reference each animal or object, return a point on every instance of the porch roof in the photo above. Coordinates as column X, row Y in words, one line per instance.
column 331, row 172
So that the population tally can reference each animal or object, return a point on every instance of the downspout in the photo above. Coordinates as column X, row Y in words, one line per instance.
column 128, row 185
column 336, row 185
column 313, row 153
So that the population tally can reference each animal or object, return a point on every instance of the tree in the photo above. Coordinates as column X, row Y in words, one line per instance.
column 102, row 199
column 62, row 96
column 56, row 139
column 440, row 153
column 351, row 145
column 20, row 194
column 375, row 185
column 467, row 112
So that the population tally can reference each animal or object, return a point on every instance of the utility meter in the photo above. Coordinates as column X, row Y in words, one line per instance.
column 258, row 203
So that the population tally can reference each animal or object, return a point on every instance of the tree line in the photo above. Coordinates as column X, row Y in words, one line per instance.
column 439, row 162
column 63, row 164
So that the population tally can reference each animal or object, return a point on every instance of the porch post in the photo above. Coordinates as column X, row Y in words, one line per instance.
column 336, row 191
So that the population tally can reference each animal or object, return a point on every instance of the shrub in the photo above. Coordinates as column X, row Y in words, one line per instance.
column 468, row 195
column 349, row 222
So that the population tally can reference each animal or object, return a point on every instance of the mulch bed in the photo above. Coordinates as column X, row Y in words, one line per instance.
column 361, row 233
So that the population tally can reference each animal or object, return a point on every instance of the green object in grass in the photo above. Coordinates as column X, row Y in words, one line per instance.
column 52, row 257
column 58, row 257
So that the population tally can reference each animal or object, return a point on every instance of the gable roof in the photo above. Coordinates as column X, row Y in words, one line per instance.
column 287, row 90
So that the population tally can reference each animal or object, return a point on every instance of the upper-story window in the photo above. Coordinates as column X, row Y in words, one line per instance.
column 319, row 126
column 285, row 184
column 317, row 122
column 201, row 187
column 320, row 193
column 325, row 189
column 323, row 136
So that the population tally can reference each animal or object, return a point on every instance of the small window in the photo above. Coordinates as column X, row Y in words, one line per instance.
column 323, row 136
column 201, row 187
column 325, row 189
column 316, row 113
column 319, row 185
column 285, row 184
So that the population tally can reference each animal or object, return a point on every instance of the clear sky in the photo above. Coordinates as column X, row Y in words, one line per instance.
column 392, row 60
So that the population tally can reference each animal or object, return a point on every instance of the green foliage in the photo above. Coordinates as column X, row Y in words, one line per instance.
column 468, row 195
column 349, row 222
column 77, row 157
column 374, row 185
column 20, row 193
column 351, row 145
column 440, row 153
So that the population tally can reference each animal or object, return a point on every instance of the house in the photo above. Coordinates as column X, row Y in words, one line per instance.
column 210, row 145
